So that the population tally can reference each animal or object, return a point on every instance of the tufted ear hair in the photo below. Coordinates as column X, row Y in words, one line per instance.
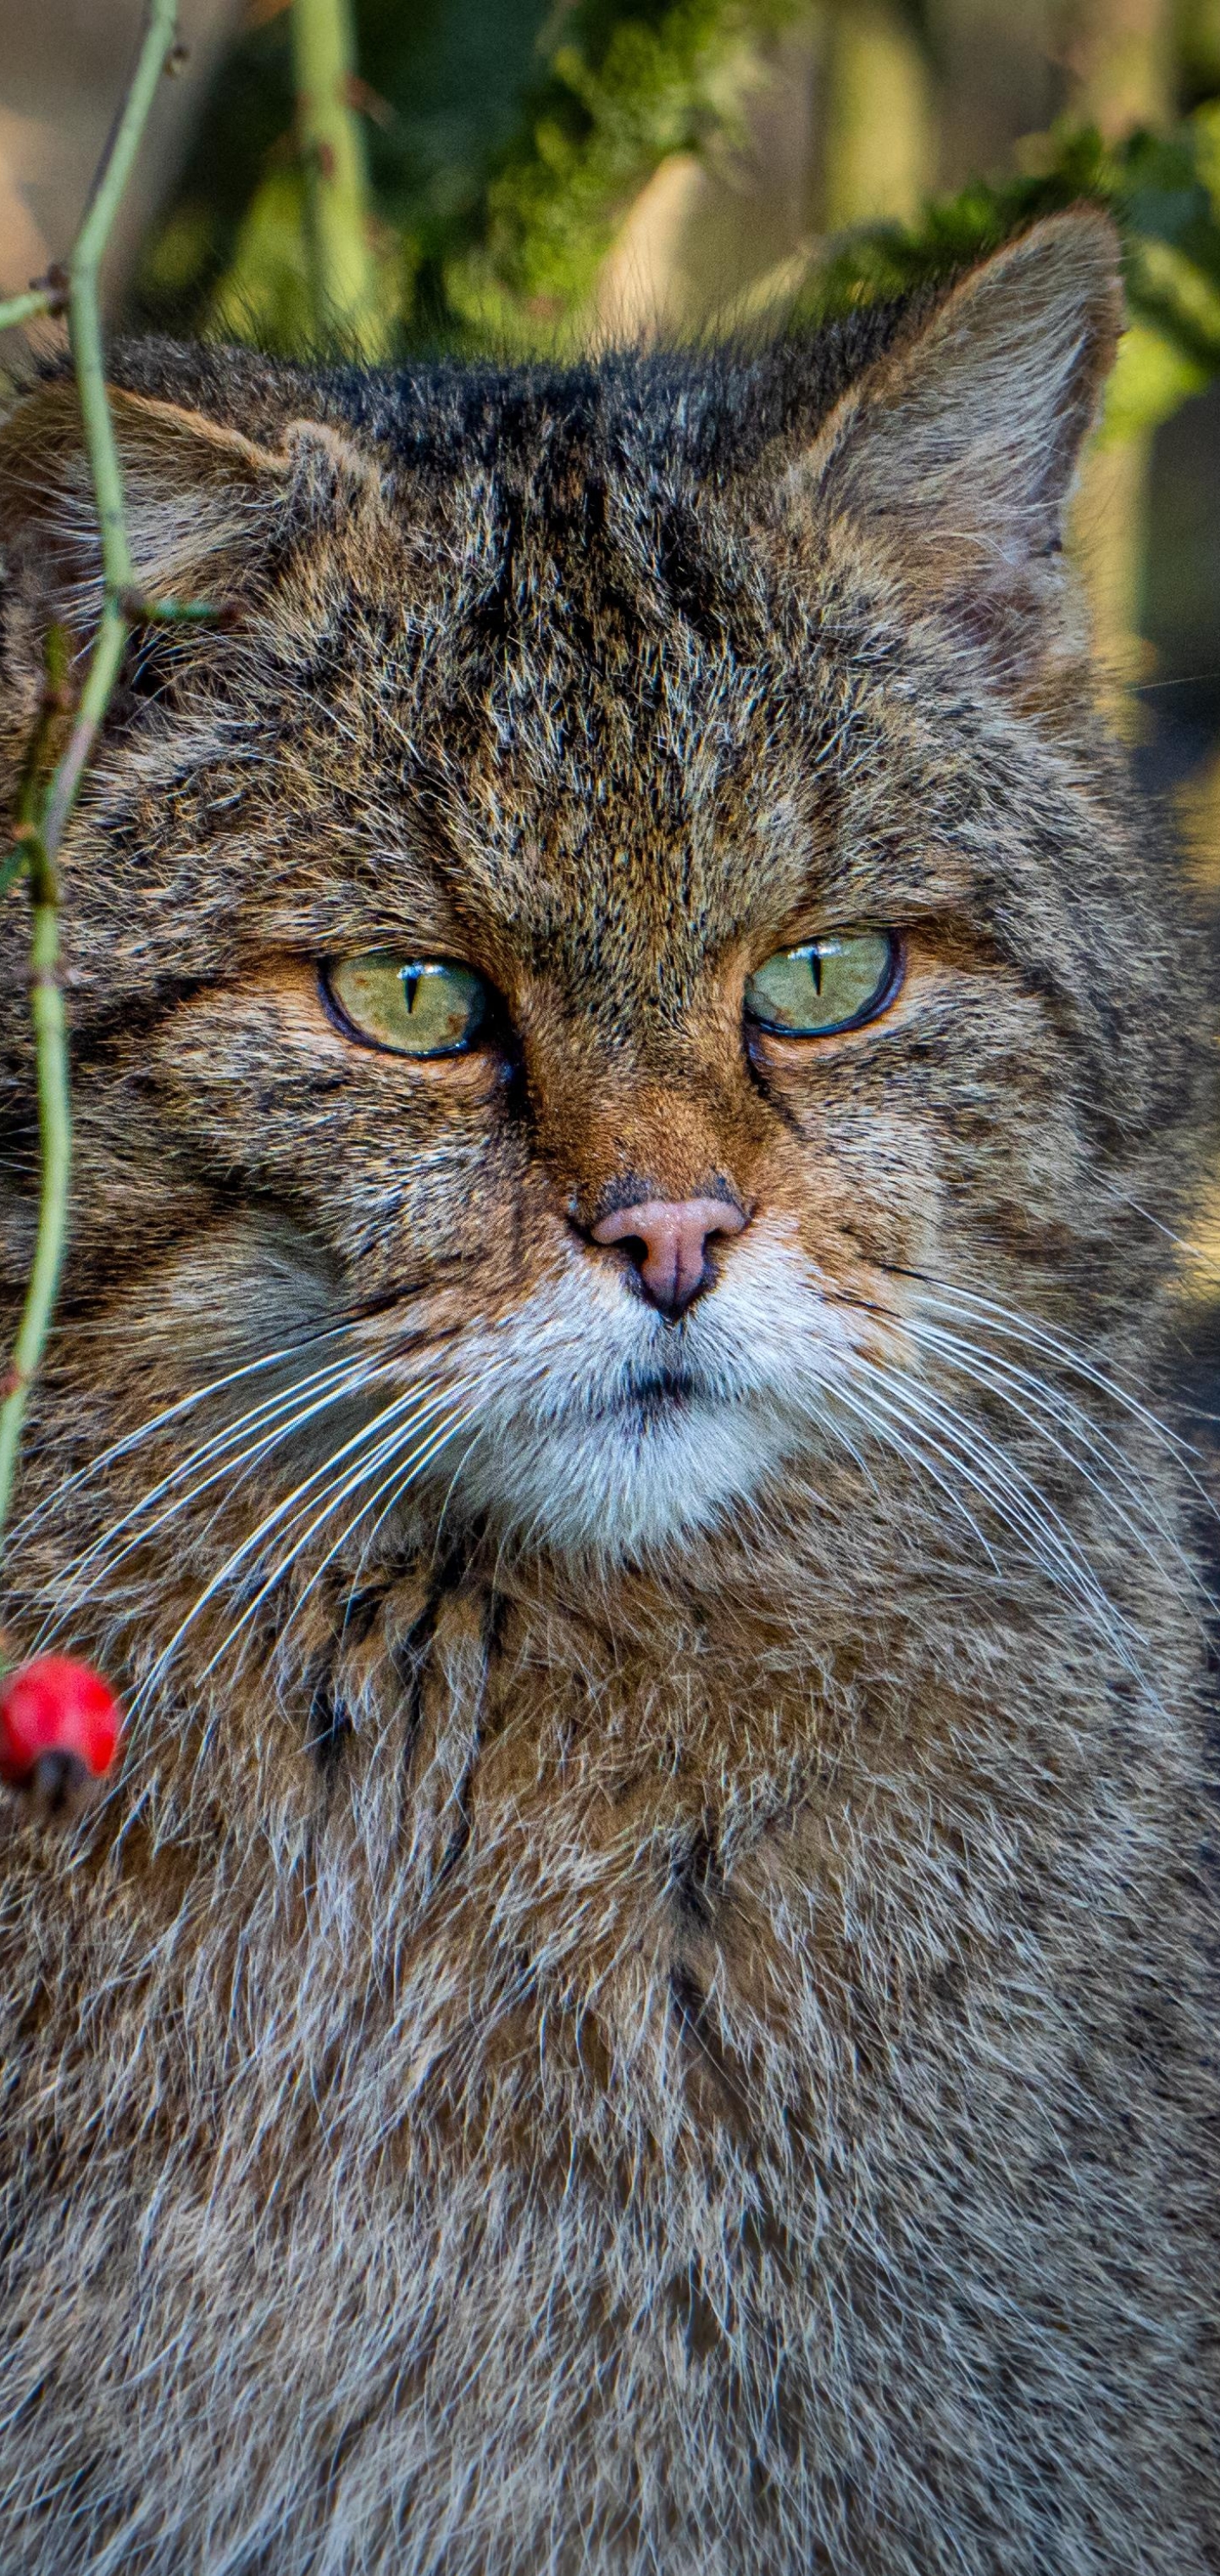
column 957, row 449
column 204, row 504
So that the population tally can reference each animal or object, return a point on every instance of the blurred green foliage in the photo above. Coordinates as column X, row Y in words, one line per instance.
column 624, row 89
column 506, row 143
column 1164, row 193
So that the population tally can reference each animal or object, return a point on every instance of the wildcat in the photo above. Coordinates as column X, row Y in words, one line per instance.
column 638, row 2001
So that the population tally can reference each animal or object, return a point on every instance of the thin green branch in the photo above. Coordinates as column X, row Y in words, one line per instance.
column 27, row 307
column 332, row 149
column 55, row 1138
column 51, row 1050
column 105, row 663
column 84, row 308
column 44, row 805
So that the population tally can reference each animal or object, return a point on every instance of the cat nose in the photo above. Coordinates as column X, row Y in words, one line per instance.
column 668, row 1240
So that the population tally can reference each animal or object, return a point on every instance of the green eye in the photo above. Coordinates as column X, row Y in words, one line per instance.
column 828, row 984
column 410, row 1005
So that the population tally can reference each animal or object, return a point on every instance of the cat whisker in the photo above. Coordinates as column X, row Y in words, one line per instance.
column 402, row 1473
column 1054, row 1404
column 230, row 1436
column 994, row 1476
column 401, row 1476
column 339, row 1381
column 358, row 1312
column 290, row 1505
column 1048, row 1398
column 158, row 1422
column 375, row 1432
column 1022, row 1329
column 856, row 1455
column 1023, row 1514
column 884, row 1428
column 987, row 1453
column 1016, row 1326
column 1001, row 1377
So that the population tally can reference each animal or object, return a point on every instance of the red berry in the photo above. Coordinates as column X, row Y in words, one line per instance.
column 56, row 1706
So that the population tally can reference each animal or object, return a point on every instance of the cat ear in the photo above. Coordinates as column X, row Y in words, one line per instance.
column 203, row 503
column 957, row 449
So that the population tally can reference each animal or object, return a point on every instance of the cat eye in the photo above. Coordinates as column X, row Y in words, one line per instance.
column 826, row 984
column 420, row 1006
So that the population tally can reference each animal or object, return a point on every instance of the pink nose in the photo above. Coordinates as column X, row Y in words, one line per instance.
column 669, row 1239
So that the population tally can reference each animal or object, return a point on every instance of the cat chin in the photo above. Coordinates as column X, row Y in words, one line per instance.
column 629, row 1486
column 600, row 1434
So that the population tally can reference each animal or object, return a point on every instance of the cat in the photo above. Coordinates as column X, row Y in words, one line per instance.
column 639, row 1999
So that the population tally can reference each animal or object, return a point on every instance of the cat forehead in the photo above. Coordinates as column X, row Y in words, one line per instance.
column 715, row 407
column 593, row 715
column 550, row 645
column 587, row 718
column 568, row 674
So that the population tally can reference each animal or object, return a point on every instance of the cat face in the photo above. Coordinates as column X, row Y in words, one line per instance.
column 701, row 762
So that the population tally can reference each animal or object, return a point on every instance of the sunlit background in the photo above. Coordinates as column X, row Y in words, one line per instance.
column 538, row 175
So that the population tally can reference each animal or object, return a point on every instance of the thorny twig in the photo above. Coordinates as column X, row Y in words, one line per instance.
column 45, row 801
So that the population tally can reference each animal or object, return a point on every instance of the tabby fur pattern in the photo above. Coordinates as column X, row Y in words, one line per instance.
column 638, row 2001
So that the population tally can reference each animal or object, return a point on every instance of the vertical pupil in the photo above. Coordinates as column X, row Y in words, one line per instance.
column 410, row 984
column 815, row 968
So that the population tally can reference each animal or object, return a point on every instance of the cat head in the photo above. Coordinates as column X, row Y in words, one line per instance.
column 632, row 909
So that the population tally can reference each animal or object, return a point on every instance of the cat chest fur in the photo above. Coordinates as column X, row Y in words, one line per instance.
column 605, row 1984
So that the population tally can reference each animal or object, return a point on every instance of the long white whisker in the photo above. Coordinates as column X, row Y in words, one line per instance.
column 359, row 1439
column 400, row 1476
column 1051, row 1399
column 989, row 1458
column 228, row 1437
column 868, row 1411
column 413, row 1470
column 986, row 1370
column 993, row 1475
column 1022, row 1328
column 982, row 1479
column 344, row 1378
column 350, row 1484
column 833, row 1389
column 157, row 1422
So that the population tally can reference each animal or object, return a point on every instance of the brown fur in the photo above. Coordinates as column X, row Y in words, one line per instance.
column 647, row 2014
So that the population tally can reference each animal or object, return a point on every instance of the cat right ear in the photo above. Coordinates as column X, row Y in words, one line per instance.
column 192, row 494
column 203, row 505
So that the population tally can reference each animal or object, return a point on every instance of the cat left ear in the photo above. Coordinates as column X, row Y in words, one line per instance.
column 958, row 448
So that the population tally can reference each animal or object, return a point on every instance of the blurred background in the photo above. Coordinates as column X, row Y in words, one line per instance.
column 537, row 176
